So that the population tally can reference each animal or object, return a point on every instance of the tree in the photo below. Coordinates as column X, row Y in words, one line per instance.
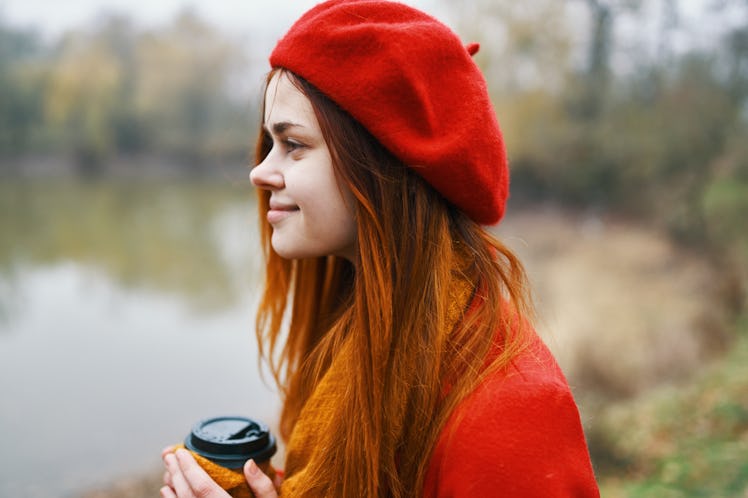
column 86, row 83
column 183, row 79
column 20, row 85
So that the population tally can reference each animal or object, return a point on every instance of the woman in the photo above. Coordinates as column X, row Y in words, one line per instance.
column 395, row 325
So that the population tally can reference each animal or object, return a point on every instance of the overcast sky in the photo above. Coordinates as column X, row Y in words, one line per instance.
column 266, row 20
column 56, row 16
column 240, row 17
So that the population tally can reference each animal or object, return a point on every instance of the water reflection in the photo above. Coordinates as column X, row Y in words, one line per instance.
column 168, row 237
column 128, row 316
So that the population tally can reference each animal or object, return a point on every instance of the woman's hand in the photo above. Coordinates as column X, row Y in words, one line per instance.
column 184, row 478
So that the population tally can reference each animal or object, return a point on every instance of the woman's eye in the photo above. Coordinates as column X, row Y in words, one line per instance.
column 292, row 145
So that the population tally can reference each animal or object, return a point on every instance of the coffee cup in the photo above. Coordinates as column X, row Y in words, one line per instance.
column 222, row 445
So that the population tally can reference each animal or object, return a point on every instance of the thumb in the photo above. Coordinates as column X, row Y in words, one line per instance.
column 260, row 484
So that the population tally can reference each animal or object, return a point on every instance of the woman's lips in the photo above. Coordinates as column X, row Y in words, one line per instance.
column 278, row 212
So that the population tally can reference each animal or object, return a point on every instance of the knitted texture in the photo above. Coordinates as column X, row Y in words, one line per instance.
column 407, row 78
column 232, row 480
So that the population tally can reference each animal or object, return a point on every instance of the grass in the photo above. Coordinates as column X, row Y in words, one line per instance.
column 688, row 442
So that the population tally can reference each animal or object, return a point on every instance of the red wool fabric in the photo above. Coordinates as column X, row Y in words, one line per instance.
column 518, row 435
column 409, row 80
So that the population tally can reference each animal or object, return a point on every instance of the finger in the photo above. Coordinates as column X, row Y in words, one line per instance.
column 179, row 484
column 167, row 492
column 261, row 485
column 167, row 479
column 167, row 450
column 277, row 481
column 200, row 483
column 167, row 474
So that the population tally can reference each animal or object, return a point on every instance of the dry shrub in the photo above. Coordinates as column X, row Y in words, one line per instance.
column 622, row 307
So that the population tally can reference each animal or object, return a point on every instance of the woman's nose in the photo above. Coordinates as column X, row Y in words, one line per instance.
column 266, row 176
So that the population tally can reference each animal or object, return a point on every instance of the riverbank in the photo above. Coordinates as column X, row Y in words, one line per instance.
column 141, row 167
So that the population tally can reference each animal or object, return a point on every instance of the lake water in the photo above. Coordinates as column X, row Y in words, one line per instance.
column 126, row 315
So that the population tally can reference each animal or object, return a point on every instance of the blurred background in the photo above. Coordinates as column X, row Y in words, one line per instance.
column 129, row 261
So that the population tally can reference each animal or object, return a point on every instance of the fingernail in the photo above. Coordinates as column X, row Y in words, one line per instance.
column 253, row 467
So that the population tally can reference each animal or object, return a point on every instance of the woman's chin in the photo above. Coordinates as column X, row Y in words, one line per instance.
column 287, row 249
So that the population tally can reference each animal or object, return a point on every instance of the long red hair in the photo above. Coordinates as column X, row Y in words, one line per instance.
column 392, row 303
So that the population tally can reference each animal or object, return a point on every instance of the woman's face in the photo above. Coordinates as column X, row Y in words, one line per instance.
column 311, row 214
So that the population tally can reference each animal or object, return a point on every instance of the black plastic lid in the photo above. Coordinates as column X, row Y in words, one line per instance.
column 231, row 441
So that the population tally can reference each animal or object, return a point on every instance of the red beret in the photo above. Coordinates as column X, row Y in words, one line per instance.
column 408, row 79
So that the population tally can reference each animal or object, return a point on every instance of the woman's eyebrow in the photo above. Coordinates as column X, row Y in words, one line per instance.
column 282, row 126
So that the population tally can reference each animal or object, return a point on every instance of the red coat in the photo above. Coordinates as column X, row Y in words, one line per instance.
column 517, row 436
